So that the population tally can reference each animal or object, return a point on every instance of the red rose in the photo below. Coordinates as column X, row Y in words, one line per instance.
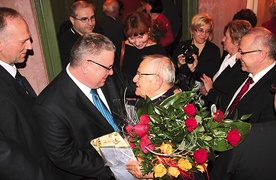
column 191, row 124
column 233, row 137
column 218, row 116
column 200, row 155
column 141, row 129
column 129, row 130
column 145, row 142
column 190, row 110
column 144, row 119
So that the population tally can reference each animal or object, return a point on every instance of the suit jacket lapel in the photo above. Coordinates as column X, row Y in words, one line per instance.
column 264, row 82
column 7, row 77
column 29, row 88
column 83, row 103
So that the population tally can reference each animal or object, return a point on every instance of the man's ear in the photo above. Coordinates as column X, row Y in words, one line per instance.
column 1, row 45
column 159, row 82
column 72, row 20
column 85, row 66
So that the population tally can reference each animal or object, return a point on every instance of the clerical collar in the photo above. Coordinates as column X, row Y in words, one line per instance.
column 155, row 97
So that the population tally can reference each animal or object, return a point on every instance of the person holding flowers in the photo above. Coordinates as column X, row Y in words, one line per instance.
column 176, row 137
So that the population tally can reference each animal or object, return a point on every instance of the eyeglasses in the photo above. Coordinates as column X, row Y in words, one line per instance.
column 247, row 52
column 201, row 31
column 85, row 19
column 145, row 74
column 107, row 68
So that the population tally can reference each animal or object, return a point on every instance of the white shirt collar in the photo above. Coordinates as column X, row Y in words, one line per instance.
column 259, row 75
column 11, row 69
column 231, row 60
column 155, row 97
column 86, row 90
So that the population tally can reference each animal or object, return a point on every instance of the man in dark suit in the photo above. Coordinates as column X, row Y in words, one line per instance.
column 253, row 159
column 18, row 164
column 67, row 113
column 17, row 121
column 109, row 24
column 257, row 55
column 83, row 20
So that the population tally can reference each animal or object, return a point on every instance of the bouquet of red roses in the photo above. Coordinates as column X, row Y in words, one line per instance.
column 179, row 136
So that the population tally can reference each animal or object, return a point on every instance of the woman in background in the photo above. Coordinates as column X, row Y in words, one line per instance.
column 163, row 31
column 206, row 55
column 137, row 29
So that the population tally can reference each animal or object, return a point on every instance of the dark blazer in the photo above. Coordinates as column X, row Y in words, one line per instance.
column 225, row 85
column 253, row 159
column 258, row 101
column 15, row 163
column 208, row 61
column 112, row 29
column 18, row 123
column 70, row 121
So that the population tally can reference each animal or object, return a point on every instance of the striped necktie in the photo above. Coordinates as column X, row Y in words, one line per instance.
column 103, row 109
column 239, row 96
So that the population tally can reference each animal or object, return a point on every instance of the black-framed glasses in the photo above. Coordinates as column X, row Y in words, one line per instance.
column 85, row 19
column 107, row 68
column 145, row 74
column 247, row 52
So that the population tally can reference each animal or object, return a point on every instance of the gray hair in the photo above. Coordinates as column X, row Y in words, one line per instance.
column 5, row 13
column 264, row 38
column 237, row 29
column 111, row 6
column 162, row 65
column 90, row 43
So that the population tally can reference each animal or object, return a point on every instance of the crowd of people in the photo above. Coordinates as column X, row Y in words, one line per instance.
column 47, row 136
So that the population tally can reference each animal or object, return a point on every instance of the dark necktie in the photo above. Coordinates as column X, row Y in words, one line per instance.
column 19, row 79
column 103, row 109
column 239, row 96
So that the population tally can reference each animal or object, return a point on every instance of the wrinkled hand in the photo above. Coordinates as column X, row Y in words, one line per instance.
column 133, row 167
column 208, row 83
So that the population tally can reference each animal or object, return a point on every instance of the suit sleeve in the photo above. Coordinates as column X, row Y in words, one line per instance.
column 17, row 164
column 64, row 150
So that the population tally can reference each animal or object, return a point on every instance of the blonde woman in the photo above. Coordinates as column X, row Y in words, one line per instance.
column 206, row 55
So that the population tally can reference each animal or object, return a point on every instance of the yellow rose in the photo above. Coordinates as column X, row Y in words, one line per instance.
column 184, row 164
column 173, row 171
column 166, row 148
column 159, row 170
column 201, row 168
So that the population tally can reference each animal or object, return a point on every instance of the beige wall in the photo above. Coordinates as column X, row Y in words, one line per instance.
column 222, row 11
column 35, row 70
column 263, row 13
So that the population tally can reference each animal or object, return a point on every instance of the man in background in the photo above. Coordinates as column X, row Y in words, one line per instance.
column 109, row 24
column 82, row 17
